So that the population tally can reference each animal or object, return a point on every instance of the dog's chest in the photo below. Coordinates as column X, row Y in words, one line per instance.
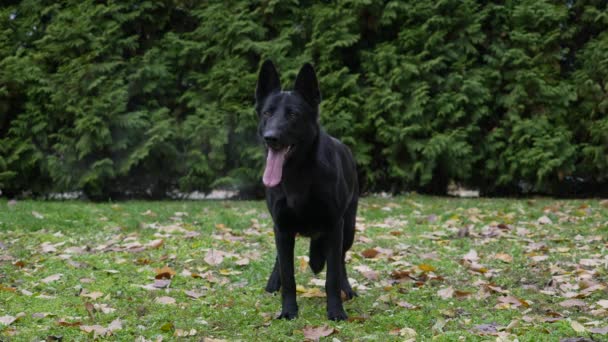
column 298, row 199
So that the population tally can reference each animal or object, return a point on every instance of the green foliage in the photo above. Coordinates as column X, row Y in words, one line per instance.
column 146, row 97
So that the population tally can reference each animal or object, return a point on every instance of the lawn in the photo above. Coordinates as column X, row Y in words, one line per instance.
column 425, row 268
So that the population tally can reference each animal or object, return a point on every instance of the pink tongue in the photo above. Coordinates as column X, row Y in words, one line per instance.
column 274, row 167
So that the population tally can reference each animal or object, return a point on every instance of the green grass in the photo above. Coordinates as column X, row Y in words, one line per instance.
column 235, row 307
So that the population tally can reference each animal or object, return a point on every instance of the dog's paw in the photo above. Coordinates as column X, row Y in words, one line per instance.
column 337, row 315
column 273, row 287
column 289, row 315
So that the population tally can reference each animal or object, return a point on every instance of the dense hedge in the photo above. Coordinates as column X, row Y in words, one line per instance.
column 151, row 96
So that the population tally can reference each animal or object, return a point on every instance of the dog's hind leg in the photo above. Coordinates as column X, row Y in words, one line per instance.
column 274, row 282
column 317, row 254
column 349, row 237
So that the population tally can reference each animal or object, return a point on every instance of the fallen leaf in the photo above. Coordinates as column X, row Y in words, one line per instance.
column 164, row 273
column 504, row 257
column 426, row 268
column 601, row 331
column 539, row 258
column 408, row 334
column 242, row 262
column 155, row 243
column 486, row 329
column 115, row 325
column 603, row 303
column 315, row 333
column 161, row 283
column 471, row 256
column 92, row 295
column 104, row 308
column 506, row 302
column 185, row 333
column 64, row 323
column 440, row 323
column 7, row 320
column 90, row 309
column 544, row 220
column 37, row 215
column 52, row 278
column 97, row 329
column 310, row 292
column 579, row 328
column 7, row 289
column 446, row 293
column 370, row 253
column 165, row 300
column 408, row 306
column 214, row 257
column 194, row 294
column 367, row 272
column 569, row 303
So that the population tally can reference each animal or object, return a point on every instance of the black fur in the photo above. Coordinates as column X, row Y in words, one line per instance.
column 318, row 191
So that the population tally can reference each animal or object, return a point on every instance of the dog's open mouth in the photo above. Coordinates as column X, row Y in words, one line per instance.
column 274, row 164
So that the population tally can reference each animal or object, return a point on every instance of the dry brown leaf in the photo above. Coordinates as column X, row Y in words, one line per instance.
column 486, row 329
column 462, row 294
column 603, row 303
column 544, row 220
column 104, row 308
column 504, row 257
column 242, row 262
column 161, row 283
column 7, row 289
column 315, row 333
column 93, row 295
column 407, row 305
column 446, row 293
column 164, row 273
column 569, row 303
column 165, row 300
column 155, row 243
column 185, row 333
column 214, row 257
column 7, row 320
column 471, row 256
column 509, row 301
column 601, row 331
column 579, row 328
column 370, row 253
column 309, row 292
column 367, row 272
column 64, row 323
column 408, row 334
column 52, row 278
column 90, row 309
column 194, row 294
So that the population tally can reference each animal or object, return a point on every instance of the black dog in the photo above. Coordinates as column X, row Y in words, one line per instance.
column 311, row 187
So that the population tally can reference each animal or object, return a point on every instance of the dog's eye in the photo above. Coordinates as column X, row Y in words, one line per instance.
column 292, row 115
column 267, row 114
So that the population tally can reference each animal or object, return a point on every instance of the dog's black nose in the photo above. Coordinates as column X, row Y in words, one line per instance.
column 271, row 139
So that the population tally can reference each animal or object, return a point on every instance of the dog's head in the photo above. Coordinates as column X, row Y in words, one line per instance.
column 288, row 120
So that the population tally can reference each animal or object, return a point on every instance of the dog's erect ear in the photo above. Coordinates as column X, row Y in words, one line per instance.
column 307, row 85
column 268, row 81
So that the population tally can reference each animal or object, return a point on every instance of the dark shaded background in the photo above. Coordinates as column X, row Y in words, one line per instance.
column 139, row 98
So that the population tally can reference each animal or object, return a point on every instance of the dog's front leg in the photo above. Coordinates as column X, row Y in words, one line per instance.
column 335, row 310
column 285, row 242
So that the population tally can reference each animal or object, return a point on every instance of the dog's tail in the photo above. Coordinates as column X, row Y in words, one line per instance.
column 317, row 255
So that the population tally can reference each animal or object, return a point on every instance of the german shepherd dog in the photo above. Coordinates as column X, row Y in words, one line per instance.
column 311, row 187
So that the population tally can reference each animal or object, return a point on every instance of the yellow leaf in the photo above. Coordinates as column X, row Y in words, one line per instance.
column 579, row 328
column 426, row 268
